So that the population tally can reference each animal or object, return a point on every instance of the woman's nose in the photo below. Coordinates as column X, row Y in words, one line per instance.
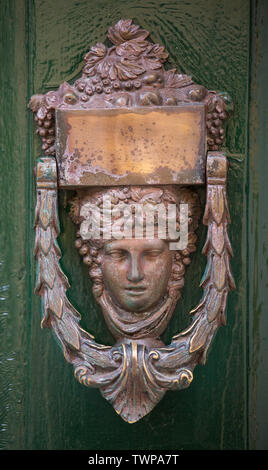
column 135, row 273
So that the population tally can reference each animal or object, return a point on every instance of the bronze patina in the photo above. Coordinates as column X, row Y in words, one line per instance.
column 138, row 134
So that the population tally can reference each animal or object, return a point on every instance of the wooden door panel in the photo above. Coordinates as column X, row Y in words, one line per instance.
column 217, row 56
column 209, row 39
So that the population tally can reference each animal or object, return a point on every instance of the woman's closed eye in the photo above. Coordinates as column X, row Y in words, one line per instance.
column 152, row 253
column 117, row 254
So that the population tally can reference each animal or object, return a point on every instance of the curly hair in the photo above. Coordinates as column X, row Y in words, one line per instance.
column 92, row 200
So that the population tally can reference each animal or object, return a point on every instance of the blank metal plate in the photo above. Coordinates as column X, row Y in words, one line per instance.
column 156, row 145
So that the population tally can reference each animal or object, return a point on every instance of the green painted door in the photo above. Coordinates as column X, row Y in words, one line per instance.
column 222, row 44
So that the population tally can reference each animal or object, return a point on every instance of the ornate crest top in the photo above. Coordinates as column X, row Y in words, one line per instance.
column 130, row 73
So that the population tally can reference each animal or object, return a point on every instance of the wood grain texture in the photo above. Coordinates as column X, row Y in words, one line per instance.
column 14, row 225
column 257, row 232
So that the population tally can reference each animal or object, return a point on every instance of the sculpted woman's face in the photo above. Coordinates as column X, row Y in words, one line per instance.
column 136, row 272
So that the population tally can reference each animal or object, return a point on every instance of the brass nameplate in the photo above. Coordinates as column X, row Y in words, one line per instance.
column 109, row 147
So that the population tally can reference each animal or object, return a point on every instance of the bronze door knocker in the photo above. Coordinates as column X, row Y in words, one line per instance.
column 133, row 140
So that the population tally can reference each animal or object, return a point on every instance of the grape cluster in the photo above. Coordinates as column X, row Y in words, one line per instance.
column 88, row 87
column 46, row 130
column 84, row 250
column 89, row 252
column 216, row 115
column 91, row 258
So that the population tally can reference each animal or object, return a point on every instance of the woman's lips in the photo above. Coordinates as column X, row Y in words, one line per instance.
column 135, row 290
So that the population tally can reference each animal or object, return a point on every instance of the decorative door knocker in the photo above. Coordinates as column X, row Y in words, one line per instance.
column 133, row 140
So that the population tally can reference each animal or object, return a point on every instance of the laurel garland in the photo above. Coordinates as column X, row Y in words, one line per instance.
column 108, row 367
